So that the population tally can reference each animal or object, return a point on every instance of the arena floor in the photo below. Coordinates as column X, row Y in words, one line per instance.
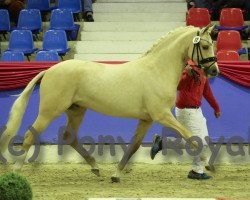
column 74, row 181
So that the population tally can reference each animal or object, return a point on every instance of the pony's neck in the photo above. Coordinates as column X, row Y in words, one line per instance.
column 174, row 44
column 170, row 54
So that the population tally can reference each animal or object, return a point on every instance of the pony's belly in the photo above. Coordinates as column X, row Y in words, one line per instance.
column 117, row 111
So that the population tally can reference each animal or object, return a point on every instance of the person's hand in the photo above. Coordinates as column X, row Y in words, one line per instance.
column 217, row 114
column 192, row 4
column 189, row 70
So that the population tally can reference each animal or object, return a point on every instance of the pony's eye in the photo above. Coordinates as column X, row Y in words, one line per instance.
column 206, row 47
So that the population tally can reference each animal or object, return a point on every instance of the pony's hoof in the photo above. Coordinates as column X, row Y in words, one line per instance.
column 127, row 171
column 17, row 167
column 115, row 179
column 210, row 168
column 96, row 172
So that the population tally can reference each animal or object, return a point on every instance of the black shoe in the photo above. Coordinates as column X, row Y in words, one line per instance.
column 156, row 146
column 88, row 17
column 194, row 175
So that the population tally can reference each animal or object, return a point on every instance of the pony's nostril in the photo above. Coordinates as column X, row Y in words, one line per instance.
column 214, row 72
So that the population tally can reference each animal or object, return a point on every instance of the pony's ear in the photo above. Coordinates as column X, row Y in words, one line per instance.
column 209, row 28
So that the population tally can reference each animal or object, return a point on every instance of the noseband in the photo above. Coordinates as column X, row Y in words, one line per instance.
column 201, row 60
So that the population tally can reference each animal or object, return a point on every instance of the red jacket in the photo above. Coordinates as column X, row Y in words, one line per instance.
column 190, row 92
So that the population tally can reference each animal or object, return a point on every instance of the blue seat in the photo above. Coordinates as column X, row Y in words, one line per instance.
column 62, row 19
column 13, row 56
column 4, row 22
column 47, row 56
column 75, row 6
column 56, row 40
column 42, row 5
column 22, row 41
column 30, row 19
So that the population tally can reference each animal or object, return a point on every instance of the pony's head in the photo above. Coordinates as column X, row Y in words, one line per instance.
column 202, row 52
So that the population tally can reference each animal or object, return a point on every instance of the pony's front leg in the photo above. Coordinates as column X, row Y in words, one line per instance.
column 167, row 119
column 141, row 130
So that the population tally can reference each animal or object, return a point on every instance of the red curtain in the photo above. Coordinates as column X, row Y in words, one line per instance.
column 237, row 71
column 14, row 75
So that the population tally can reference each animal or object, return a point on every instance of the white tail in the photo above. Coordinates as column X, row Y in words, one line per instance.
column 17, row 112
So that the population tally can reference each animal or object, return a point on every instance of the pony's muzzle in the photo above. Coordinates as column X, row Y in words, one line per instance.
column 214, row 71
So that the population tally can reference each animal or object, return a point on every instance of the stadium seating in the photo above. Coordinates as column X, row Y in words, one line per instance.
column 22, row 41
column 13, row 56
column 47, row 56
column 230, row 40
column 30, row 19
column 231, row 19
column 56, row 40
column 42, row 5
column 198, row 17
column 62, row 19
column 75, row 6
column 225, row 55
column 4, row 22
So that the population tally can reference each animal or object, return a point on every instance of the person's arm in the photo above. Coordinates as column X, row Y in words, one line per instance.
column 208, row 94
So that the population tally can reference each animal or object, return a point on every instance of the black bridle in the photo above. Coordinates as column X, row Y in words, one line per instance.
column 201, row 60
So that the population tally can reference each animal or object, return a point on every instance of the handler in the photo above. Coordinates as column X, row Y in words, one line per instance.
column 192, row 87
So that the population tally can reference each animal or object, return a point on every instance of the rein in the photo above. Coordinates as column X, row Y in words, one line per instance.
column 200, row 58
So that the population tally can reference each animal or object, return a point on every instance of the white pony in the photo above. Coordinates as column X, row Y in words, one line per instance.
column 144, row 89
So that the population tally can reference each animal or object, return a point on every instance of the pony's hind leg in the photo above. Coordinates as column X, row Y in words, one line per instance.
column 47, row 113
column 75, row 116
column 37, row 128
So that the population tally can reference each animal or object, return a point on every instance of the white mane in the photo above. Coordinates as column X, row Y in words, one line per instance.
column 163, row 38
